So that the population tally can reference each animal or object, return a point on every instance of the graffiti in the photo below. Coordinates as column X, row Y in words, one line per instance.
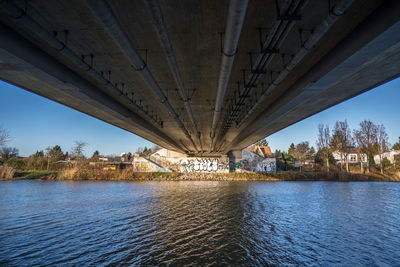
column 203, row 165
column 255, row 164
column 200, row 165
column 140, row 166
column 162, row 164
column 267, row 165
column 233, row 166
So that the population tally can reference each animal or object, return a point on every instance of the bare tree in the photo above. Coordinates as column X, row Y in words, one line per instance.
column 365, row 138
column 342, row 141
column 302, row 152
column 396, row 146
column 9, row 152
column 78, row 149
column 360, row 145
column 323, row 142
column 382, row 143
column 4, row 136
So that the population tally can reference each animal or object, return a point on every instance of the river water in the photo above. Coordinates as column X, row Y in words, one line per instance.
column 199, row 223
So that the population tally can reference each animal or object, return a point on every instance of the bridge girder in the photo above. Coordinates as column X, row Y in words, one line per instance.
column 189, row 78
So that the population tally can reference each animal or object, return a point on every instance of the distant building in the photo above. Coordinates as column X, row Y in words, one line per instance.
column 389, row 155
column 258, row 159
column 262, row 151
column 354, row 156
column 166, row 153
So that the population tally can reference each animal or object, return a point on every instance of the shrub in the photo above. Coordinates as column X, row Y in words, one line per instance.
column 385, row 163
column 36, row 163
column 15, row 163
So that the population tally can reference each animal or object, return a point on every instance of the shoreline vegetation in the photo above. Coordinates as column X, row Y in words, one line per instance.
column 78, row 174
column 343, row 155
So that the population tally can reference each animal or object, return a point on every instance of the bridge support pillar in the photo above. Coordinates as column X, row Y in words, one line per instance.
column 235, row 155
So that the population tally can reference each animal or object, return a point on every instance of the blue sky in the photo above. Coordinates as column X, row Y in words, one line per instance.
column 35, row 123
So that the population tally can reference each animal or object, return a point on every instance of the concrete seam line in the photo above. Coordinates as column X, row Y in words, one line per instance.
column 20, row 47
column 165, row 41
column 104, row 14
column 17, row 14
column 235, row 20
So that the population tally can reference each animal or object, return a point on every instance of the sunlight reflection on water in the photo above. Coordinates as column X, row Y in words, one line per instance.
column 199, row 223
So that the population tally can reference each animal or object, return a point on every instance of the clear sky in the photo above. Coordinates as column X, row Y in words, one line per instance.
column 35, row 123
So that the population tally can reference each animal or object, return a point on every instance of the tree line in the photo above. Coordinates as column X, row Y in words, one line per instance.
column 54, row 158
column 368, row 139
column 47, row 159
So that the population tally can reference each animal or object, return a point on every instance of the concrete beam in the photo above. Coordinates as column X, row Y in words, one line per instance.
column 235, row 155
column 74, row 85
column 329, row 73
column 371, row 42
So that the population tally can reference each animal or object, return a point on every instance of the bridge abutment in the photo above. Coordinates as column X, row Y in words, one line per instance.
column 235, row 155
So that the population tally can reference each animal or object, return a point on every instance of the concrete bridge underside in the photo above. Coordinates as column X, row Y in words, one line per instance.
column 200, row 77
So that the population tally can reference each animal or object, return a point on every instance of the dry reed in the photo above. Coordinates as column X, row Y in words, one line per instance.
column 6, row 172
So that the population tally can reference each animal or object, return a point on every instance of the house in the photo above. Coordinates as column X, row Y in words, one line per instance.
column 166, row 153
column 258, row 159
column 354, row 156
column 262, row 151
column 389, row 155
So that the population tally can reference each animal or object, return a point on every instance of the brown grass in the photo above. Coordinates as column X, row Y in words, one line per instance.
column 335, row 176
column 82, row 173
column 78, row 173
column 130, row 175
column 6, row 172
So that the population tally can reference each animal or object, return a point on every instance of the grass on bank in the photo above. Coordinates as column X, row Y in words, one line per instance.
column 77, row 173
column 337, row 176
column 130, row 174
column 80, row 173
column 35, row 175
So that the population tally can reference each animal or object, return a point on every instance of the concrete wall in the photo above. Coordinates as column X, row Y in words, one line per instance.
column 267, row 165
column 192, row 164
column 141, row 164
column 215, row 165
column 251, row 162
column 166, row 153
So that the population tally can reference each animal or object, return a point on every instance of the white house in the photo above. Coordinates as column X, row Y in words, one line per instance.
column 166, row 153
column 389, row 155
column 354, row 156
column 252, row 160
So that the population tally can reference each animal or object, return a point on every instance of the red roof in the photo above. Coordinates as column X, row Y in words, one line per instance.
column 262, row 151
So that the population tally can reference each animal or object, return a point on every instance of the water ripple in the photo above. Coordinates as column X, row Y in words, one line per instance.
column 199, row 223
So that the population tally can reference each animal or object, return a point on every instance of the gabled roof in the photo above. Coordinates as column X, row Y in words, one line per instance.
column 262, row 151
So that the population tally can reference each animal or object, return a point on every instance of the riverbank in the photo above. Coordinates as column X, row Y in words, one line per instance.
column 129, row 175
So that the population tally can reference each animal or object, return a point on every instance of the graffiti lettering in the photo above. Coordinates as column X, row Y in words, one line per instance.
column 203, row 165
